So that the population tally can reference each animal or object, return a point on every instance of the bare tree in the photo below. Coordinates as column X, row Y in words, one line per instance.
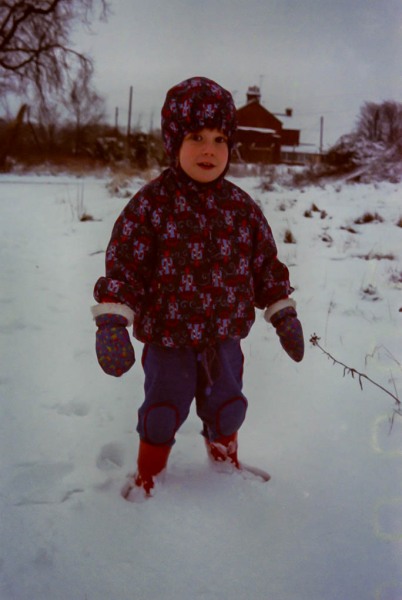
column 391, row 121
column 380, row 122
column 37, row 57
column 84, row 106
column 47, row 119
column 367, row 121
column 35, row 47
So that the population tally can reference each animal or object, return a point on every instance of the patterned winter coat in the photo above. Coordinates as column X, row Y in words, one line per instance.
column 192, row 261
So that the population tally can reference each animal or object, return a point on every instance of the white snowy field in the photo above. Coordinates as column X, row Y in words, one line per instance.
column 328, row 526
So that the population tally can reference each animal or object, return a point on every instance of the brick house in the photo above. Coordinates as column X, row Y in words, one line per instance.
column 261, row 134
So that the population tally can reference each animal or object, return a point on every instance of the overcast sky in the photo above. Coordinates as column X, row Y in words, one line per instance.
column 319, row 57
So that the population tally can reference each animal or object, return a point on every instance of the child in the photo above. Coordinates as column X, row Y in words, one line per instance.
column 190, row 258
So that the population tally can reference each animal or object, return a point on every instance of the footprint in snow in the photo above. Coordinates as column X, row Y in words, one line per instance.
column 111, row 456
column 74, row 408
column 41, row 483
column 386, row 438
column 388, row 520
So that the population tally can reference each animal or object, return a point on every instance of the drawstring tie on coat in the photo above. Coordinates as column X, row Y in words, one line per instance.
column 209, row 361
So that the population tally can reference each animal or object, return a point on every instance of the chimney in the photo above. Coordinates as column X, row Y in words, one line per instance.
column 253, row 94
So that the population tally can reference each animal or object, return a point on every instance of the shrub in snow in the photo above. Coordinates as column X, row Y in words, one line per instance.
column 376, row 256
column 396, row 278
column 325, row 237
column 120, row 186
column 369, row 218
column 86, row 217
column 370, row 293
column 289, row 238
column 314, row 208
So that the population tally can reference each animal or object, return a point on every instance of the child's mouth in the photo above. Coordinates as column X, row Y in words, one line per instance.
column 205, row 165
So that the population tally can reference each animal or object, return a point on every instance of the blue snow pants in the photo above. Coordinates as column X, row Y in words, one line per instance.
column 175, row 376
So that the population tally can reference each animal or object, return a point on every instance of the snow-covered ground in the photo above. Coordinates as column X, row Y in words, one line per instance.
column 328, row 526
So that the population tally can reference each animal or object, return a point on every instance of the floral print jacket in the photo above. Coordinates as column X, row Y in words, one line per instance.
column 191, row 262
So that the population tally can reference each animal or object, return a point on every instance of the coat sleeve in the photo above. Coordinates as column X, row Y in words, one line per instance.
column 271, row 276
column 129, row 257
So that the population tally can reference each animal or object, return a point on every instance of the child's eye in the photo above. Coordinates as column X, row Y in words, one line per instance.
column 195, row 137
column 221, row 139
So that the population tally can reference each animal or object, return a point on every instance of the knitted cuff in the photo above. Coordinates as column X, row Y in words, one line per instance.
column 110, row 320
column 271, row 310
column 112, row 308
column 276, row 318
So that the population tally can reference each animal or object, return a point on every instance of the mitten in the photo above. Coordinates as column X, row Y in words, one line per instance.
column 113, row 346
column 290, row 332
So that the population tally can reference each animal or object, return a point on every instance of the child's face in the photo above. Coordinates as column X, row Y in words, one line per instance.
column 204, row 154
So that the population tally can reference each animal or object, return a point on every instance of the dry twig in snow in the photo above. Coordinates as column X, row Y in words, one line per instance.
column 314, row 340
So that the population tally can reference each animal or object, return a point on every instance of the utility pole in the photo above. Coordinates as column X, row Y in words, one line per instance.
column 116, row 119
column 321, row 133
column 130, row 101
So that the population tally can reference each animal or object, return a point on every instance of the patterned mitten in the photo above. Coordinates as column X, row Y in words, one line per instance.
column 113, row 346
column 290, row 332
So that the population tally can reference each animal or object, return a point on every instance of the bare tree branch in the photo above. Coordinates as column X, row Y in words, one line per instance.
column 314, row 340
column 35, row 47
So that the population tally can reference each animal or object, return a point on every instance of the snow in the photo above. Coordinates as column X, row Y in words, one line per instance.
column 328, row 526
column 258, row 129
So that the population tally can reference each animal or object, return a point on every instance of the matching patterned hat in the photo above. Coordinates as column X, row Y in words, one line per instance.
column 192, row 105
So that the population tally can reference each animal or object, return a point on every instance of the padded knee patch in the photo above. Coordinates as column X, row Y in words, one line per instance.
column 231, row 415
column 160, row 423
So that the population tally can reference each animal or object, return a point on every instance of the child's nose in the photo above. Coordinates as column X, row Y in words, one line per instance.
column 208, row 148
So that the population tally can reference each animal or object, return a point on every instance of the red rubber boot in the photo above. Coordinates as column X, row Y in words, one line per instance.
column 151, row 461
column 224, row 450
column 223, row 453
